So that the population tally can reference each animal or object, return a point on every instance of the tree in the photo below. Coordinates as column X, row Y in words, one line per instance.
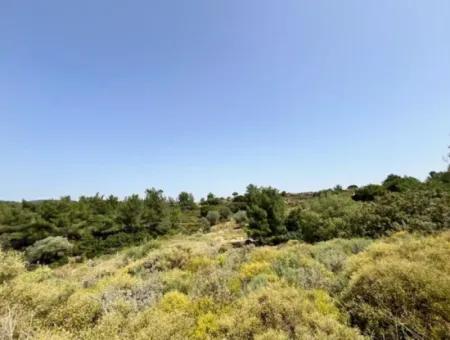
column 266, row 213
column 211, row 199
column 186, row 201
column 396, row 183
column 368, row 192
column 154, row 204
column 131, row 210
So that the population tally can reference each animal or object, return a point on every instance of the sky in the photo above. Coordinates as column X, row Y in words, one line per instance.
column 208, row 96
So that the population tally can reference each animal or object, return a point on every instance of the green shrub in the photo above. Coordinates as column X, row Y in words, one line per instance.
column 324, row 217
column 334, row 253
column 213, row 217
column 49, row 250
column 240, row 217
column 225, row 213
column 205, row 225
column 368, row 192
column 396, row 183
column 302, row 271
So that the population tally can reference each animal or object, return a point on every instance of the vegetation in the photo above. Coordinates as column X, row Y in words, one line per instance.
column 369, row 262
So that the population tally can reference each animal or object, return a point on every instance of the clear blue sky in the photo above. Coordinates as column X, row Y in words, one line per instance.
column 116, row 96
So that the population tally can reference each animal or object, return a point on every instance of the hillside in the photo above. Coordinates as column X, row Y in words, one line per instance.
column 201, row 287
column 369, row 262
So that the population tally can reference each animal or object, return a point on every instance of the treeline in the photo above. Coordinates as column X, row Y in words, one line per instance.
column 399, row 203
column 50, row 230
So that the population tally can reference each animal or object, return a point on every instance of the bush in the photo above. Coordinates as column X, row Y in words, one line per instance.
column 396, row 183
column 368, row 192
column 49, row 250
column 11, row 265
column 225, row 213
column 205, row 225
column 302, row 271
column 323, row 218
column 266, row 213
column 286, row 311
column 213, row 217
column 240, row 217
column 39, row 291
column 400, row 288
column 334, row 253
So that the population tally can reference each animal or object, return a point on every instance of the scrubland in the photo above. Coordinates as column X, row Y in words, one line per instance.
column 202, row 287
column 356, row 263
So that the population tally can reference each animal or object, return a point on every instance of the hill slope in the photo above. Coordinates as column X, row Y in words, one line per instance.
column 201, row 287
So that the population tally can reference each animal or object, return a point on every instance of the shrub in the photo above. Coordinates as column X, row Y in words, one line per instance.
column 240, row 217
column 162, row 325
column 252, row 269
column 287, row 311
column 138, row 252
column 49, row 250
column 302, row 271
column 400, row 288
column 38, row 291
column 396, row 183
column 205, row 225
column 177, row 279
column 213, row 217
column 323, row 218
column 11, row 265
column 214, row 283
column 206, row 327
column 368, row 192
column 225, row 213
column 174, row 301
column 334, row 254
column 80, row 311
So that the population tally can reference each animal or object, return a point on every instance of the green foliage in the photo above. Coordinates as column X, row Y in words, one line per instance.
column 213, row 217
column 440, row 179
column 130, row 212
column 368, row 192
column 266, row 212
column 225, row 213
column 205, row 225
column 95, row 225
column 186, row 201
column 240, row 217
column 154, row 206
column 396, row 183
column 324, row 217
column 49, row 250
